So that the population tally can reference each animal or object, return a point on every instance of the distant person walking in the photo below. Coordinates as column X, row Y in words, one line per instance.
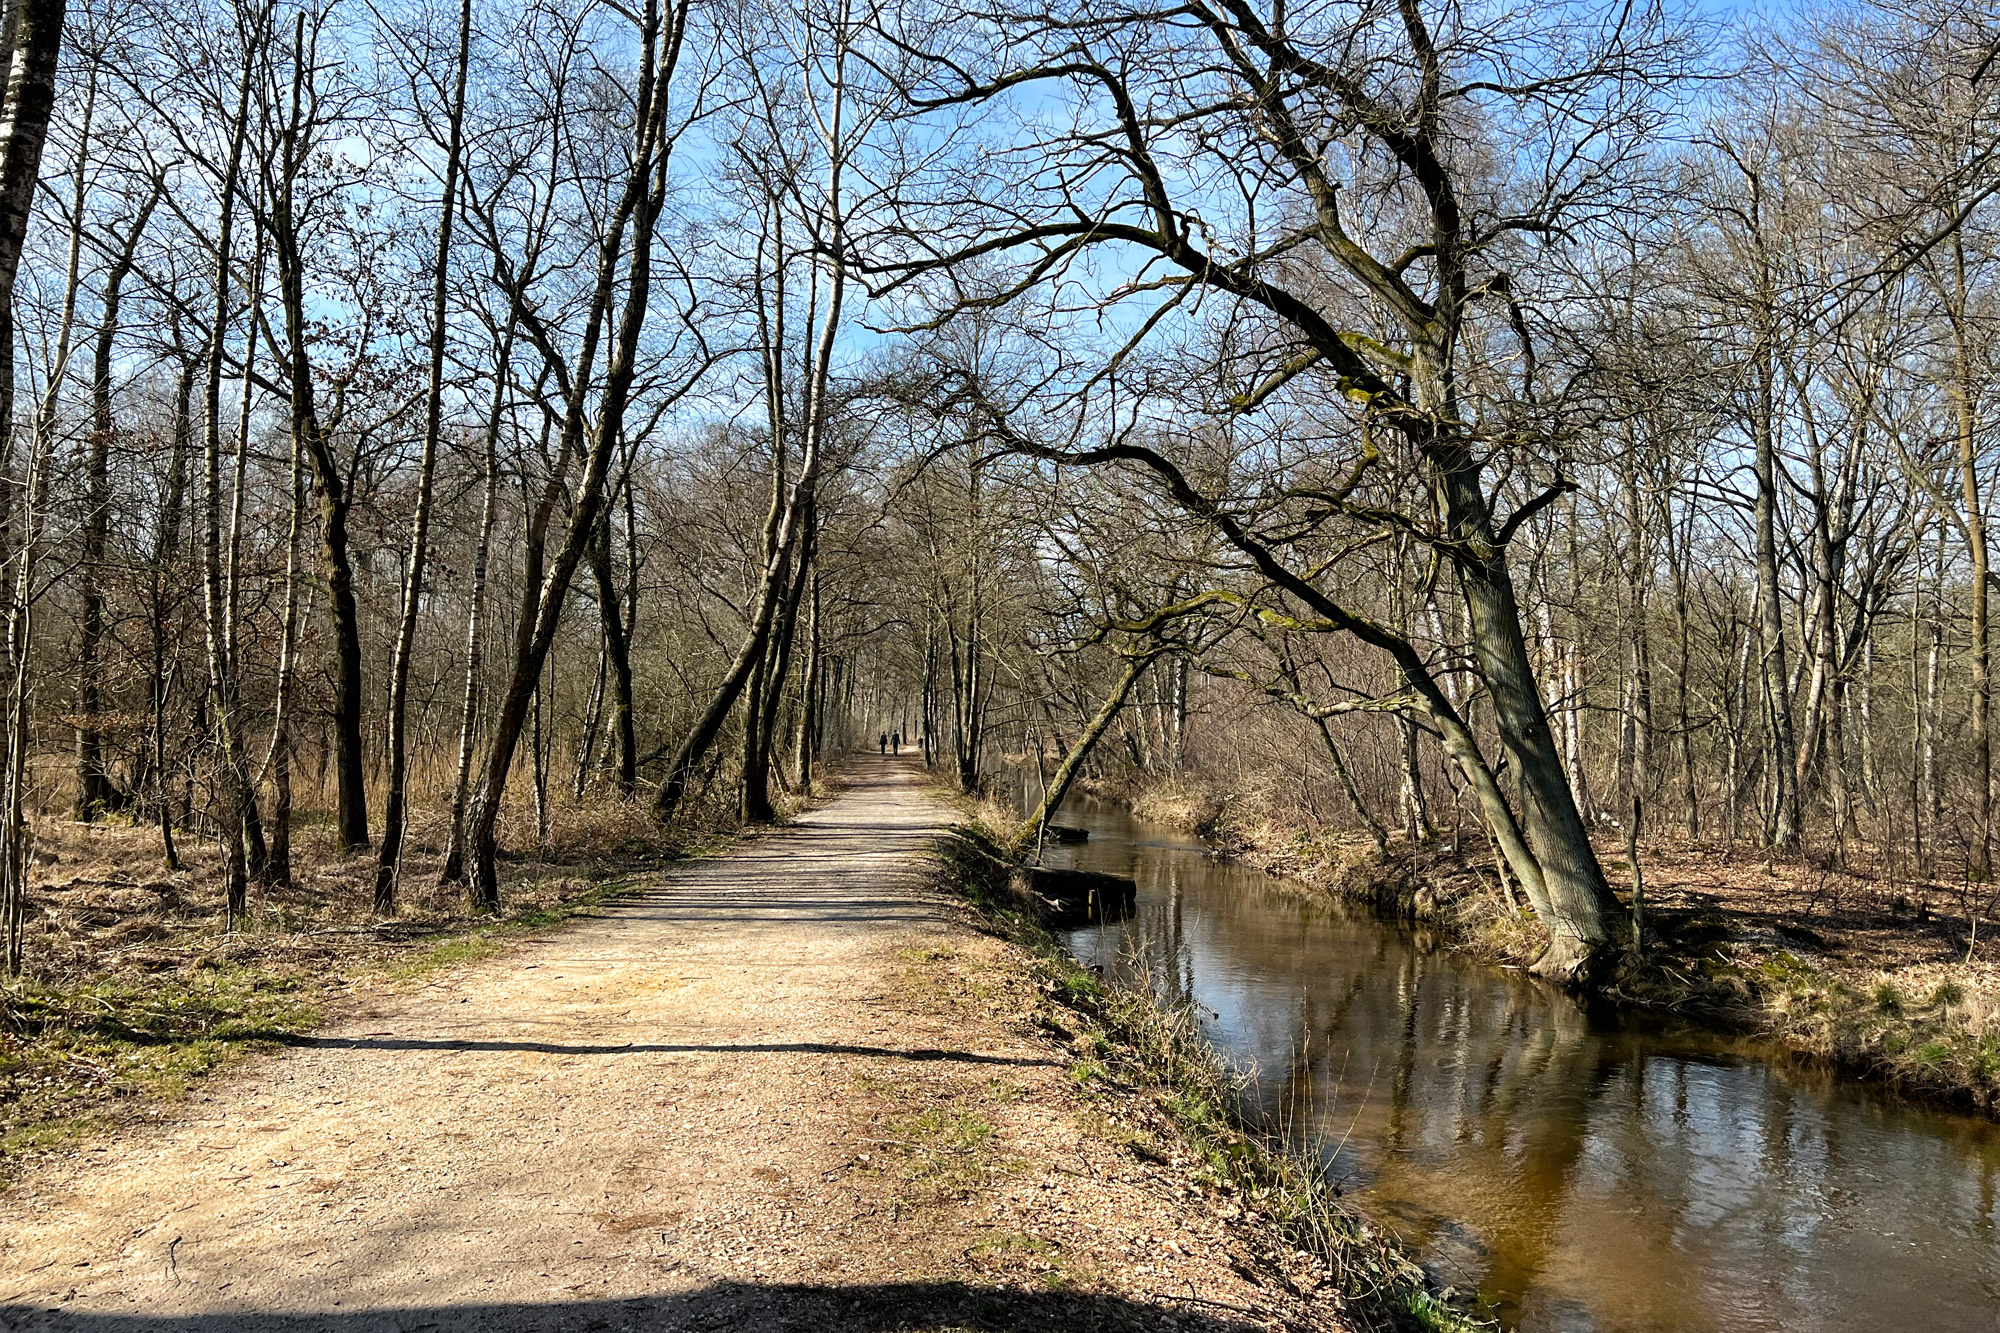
column 896, row 742
column 882, row 743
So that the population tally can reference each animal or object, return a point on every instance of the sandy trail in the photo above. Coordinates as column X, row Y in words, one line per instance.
column 769, row 1091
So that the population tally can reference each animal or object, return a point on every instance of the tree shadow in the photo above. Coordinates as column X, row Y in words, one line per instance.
column 772, row 1308
column 920, row 1053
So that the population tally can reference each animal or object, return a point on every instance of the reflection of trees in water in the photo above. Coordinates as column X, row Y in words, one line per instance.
column 1152, row 944
column 1310, row 1119
column 1631, row 1179
column 1483, row 1113
column 1987, row 1224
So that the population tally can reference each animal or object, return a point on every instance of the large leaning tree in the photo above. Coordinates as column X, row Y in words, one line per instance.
column 1345, row 208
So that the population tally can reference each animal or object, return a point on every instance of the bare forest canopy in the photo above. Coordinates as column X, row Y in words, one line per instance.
column 1543, row 416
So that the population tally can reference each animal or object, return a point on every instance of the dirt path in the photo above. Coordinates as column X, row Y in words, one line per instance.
column 788, row 1089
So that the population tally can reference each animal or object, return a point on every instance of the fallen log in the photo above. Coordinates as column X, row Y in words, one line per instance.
column 1059, row 897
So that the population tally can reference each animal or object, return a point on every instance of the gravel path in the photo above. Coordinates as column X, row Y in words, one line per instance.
column 786, row 1089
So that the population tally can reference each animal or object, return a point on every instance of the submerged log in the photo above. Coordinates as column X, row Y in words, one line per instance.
column 1067, row 833
column 1073, row 897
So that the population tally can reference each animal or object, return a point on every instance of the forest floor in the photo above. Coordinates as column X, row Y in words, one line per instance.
column 1893, row 979
column 136, row 983
column 793, row 1087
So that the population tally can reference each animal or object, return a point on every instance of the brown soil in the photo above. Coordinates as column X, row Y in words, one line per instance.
column 136, row 982
column 788, row 1089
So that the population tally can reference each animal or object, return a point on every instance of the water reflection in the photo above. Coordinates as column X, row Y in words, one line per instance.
column 1578, row 1171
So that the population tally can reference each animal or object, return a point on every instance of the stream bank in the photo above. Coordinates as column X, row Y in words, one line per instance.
column 1581, row 1167
column 1878, row 979
column 1156, row 1055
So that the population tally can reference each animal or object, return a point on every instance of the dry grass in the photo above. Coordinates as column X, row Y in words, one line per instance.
column 1192, row 804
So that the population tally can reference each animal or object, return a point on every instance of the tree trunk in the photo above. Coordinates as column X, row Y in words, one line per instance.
column 810, row 693
column 36, row 28
column 394, row 814
column 754, row 806
column 20, row 634
column 1966, row 411
column 330, row 484
column 1580, row 908
column 255, row 852
column 1639, row 709
column 1416, row 811
column 586, row 746
column 538, row 757
column 278, row 866
column 232, row 776
column 618, row 656
column 1058, row 787
column 453, row 871
column 1180, row 712
column 1580, row 905
column 95, row 793
column 639, row 208
column 756, row 776
column 14, row 830
column 1684, row 718
column 1783, row 829
column 164, row 595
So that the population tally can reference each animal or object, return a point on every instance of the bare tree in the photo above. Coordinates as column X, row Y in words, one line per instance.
column 639, row 204
column 393, row 810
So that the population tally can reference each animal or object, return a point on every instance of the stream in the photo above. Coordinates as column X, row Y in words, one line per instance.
column 1577, row 1168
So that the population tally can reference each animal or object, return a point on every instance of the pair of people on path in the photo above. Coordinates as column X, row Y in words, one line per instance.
column 887, row 739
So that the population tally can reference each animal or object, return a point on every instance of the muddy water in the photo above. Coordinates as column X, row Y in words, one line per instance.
column 1576, row 1170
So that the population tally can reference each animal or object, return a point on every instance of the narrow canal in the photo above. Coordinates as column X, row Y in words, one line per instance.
column 1578, row 1170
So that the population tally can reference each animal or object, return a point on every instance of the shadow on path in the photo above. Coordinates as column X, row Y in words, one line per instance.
column 640, row 1048
column 778, row 1308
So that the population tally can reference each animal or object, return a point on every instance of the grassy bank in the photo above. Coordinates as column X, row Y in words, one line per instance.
column 136, row 989
column 1884, row 980
column 1123, row 1037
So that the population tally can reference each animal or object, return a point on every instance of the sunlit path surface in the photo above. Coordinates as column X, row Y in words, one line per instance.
column 694, row 1111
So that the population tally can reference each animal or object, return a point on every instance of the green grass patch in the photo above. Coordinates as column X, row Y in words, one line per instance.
column 69, row 1049
column 48, row 1134
column 1931, row 1053
column 944, row 1129
column 945, row 1149
column 1085, row 1072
